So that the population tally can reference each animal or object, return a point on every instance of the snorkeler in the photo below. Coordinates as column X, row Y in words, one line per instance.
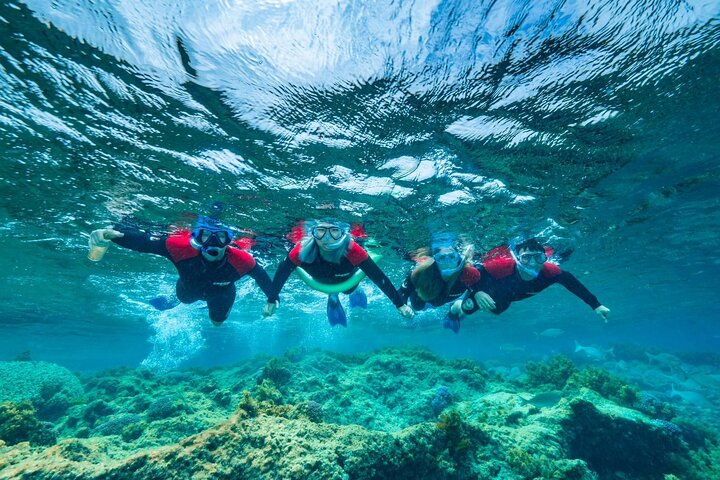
column 441, row 277
column 207, row 263
column 515, row 272
column 332, row 262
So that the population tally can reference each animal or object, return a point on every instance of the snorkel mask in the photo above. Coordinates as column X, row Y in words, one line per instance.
column 530, row 261
column 447, row 258
column 210, row 237
column 329, row 235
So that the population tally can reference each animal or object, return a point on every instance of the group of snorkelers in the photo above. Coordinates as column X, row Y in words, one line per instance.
column 330, row 258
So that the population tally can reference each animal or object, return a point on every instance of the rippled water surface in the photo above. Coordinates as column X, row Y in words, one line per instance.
column 593, row 124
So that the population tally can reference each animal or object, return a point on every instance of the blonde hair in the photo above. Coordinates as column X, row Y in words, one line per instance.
column 427, row 279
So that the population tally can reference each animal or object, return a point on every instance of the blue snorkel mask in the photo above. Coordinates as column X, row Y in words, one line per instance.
column 210, row 237
column 447, row 258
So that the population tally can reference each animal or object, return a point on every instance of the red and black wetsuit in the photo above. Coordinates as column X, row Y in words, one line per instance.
column 200, row 279
column 499, row 278
column 334, row 273
column 467, row 279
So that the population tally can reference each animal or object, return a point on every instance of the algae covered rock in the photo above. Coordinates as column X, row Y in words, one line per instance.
column 347, row 417
column 613, row 439
column 50, row 387
column 19, row 423
column 165, row 407
column 116, row 425
column 552, row 374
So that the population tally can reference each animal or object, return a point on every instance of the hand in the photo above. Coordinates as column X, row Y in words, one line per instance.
column 406, row 311
column 484, row 301
column 270, row 308
column 456, row 308
column 603, row 312
column 102, row 236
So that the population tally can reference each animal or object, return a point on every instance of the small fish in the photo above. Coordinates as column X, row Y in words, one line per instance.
column 664, row 360
column 593, row 353
column 706, row 380
column 545, row 399
column 511, row 347
column 688, row 396
column 551, row 332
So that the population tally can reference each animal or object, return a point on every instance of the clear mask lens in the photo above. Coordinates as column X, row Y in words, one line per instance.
column 447, row 260
column 537, row 257
column 220, row 238
column 320, row 232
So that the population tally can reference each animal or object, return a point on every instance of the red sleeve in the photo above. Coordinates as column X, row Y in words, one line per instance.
column 294, row 254
column 550, row 270
column 356, row 254
column 470, row 276
column 242, row 261
column 179, row 248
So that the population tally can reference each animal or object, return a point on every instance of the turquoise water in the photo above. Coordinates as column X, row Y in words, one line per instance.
column 593, row 124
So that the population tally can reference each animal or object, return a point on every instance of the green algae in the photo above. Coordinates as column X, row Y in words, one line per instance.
column 351, row 416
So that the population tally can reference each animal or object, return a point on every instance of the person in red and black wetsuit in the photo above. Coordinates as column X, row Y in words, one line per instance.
column 509, row 274
column 441, row 276
column 208, row 265
column 331, row 257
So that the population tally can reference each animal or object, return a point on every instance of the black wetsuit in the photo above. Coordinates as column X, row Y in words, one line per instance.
column 462, row 283
column 499, row 278
column 200, row 279
column 334, row 273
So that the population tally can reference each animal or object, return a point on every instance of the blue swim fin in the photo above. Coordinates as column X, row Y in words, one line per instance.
column 335, row 312
column 452, row 321
column 164, row 302
column 358, row 299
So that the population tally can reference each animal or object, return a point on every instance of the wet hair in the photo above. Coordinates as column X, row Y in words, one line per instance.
column 531, row 244
column 427, row 279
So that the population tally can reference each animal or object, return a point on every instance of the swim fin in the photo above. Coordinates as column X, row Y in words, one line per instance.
column 358, row 299
column 452, row 321
column 164, row 302
column 335, row 312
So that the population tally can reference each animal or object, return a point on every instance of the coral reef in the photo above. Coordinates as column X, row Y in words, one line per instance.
column 395, row 413
column 607, row 385
column 19, row 423
column 441, row 400
column 613, row 439
column 51, row 388
column 550, row 375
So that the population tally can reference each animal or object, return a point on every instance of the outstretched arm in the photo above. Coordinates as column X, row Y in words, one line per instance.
column 568, row 280
column 263, row 281
column 281, row 276
column 383, row 282
column 406, row 289
column 141, row 241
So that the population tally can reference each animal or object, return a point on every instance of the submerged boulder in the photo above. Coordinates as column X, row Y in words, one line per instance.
column 50, row 387
column 613, row 440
